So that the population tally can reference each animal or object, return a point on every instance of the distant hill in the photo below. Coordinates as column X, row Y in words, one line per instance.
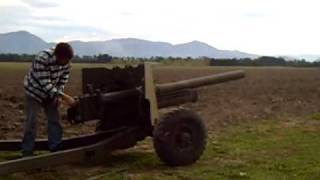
column 23, row 42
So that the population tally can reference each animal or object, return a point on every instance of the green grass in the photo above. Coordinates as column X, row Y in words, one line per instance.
column 264, row 150
column 315, row 116
column 269, row 151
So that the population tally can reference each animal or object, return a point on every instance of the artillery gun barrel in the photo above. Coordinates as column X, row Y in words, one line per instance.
column 172, row 90
column 201, row 81
column 168, row 94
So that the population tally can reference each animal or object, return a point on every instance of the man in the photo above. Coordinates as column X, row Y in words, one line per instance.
column 44, row 85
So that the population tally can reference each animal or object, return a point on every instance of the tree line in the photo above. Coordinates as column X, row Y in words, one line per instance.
column 10, row 57
column 106, row 58
column 264, row 61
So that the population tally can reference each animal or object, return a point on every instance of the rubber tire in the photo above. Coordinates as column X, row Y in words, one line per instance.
column 165, row 139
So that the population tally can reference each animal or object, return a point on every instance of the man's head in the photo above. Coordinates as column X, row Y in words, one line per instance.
column 63, row 53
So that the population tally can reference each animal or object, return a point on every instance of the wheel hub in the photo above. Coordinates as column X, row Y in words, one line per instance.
column 184, row 138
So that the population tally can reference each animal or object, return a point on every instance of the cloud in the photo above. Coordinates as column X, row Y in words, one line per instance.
column 127, row 13
column 13, row 16
column 21, row 15
column 41, row 4
column 254, row 14
column 261, row 27
column 49, row 27
column 70, row 32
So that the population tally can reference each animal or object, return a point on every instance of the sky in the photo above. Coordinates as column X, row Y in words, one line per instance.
column 263, row 27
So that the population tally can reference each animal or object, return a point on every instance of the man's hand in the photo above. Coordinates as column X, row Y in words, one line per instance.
column 68, row 100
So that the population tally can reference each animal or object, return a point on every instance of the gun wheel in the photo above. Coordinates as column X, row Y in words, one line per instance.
column 180, row 138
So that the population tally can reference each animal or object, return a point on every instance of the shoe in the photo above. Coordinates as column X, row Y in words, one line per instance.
column 27, row 154
column 58, row 148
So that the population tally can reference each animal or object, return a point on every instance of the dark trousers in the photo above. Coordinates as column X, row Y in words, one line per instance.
column 30, row 125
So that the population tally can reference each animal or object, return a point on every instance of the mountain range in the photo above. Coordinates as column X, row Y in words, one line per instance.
column 23, row 42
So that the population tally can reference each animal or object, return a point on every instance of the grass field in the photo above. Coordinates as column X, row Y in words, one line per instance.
column 265, row 126
column 273, row 149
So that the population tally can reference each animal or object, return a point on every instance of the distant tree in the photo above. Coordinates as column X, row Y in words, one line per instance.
column 159, row 59
column 104, row 58
column 16, row 57
column 269, row 61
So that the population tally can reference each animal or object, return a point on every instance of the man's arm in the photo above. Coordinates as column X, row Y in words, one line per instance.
column 68, row 100
column 63, row 80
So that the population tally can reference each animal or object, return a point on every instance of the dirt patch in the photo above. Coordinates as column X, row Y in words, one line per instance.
column 264, row 93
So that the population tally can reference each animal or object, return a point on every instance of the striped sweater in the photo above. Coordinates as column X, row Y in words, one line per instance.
column 46, row 78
